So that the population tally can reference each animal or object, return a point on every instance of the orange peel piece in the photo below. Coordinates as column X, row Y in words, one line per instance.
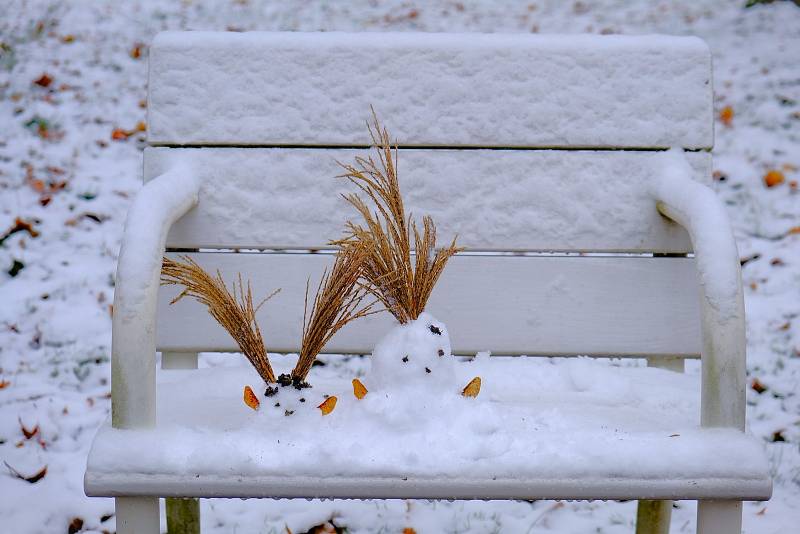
column 473, row 388
column 328, row 405
column 250, row 398
column 359, row 390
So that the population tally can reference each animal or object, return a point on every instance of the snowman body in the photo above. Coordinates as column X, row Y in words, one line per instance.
column 411, row 355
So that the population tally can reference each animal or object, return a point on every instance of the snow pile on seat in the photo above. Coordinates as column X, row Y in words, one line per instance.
column 534, row 417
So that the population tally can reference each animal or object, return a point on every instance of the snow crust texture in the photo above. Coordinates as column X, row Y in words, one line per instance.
column 547, row 91
column 493, row 200
column 531, row 419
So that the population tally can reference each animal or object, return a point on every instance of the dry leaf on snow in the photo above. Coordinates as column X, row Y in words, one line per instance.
column 773, row 178
column 33, row 479
column 250, row 398
column 473, row 388
column 328, row 405
column 359, row 390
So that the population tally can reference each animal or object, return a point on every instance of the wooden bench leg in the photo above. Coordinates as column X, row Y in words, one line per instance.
column 137, row 515
column 719, row 517
column 183, row 516
column 653, row 517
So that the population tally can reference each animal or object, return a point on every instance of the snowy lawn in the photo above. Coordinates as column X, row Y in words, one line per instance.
column 72, row 84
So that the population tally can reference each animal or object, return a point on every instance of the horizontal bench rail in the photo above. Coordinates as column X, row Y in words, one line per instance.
column 505, row 304
column 494, row 200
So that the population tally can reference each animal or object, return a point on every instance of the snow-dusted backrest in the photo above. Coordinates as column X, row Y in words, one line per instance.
column 484, row 90
column 263, row 118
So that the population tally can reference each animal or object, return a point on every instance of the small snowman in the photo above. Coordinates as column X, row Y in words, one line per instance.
column 417, row 351
column 414, row 353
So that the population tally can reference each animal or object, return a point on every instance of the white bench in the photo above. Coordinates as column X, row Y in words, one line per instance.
column 551, row 146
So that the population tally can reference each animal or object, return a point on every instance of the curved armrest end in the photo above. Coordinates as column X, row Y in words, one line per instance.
column 697, row 208
column 158, row 205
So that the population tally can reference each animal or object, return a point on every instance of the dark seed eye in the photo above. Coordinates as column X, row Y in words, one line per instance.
column 288, row 412
column 405, row 359
column 277, row 404
column 441, row 352
column 302, row 399
column 435, row 330
column 427, row 370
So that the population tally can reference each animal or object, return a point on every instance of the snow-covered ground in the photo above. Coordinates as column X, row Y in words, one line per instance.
column 70, row 160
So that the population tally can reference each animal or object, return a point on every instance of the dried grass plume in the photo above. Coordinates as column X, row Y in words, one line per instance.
column 234, row 310
column 402, row 284
column 338, row 301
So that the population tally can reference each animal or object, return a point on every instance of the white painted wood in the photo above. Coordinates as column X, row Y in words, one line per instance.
column 179, row 360
column 133, row 348
column 208, row 485
column 698, row 209
column 506, row 304
column 493, row 199
column 488, row 90
column 137, row 515
column 719, row 517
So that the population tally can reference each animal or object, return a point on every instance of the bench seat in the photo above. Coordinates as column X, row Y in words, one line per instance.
column 541, row 428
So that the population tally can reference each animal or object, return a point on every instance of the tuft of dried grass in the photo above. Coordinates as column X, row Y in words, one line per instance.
column 401, row 284
column 234, row 310
column 338, row 301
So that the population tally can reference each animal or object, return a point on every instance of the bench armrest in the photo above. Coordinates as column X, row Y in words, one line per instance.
column 158, row 205
column 697, row 208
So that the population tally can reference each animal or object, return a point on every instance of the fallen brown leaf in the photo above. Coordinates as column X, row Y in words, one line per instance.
column 75, row 526
column 773, row 178
column 250, row 398
column 726, row 116
column 758, row 387
column 96, row 217
column 33, row 479
column 473, row 388
column 28, row 433
column 359, row 390
column 44, row 80
column 4, row 384
column 20, row 225
column 328, row 405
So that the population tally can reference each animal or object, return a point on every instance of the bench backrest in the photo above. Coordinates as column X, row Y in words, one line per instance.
column 535, row 150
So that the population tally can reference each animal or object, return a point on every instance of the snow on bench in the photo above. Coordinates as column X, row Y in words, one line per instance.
column 579, row 430
column 245, row 131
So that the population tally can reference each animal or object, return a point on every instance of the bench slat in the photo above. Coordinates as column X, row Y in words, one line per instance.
column 493, row 199
column 484, row 90
column 506, row 304
column 249, row 486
